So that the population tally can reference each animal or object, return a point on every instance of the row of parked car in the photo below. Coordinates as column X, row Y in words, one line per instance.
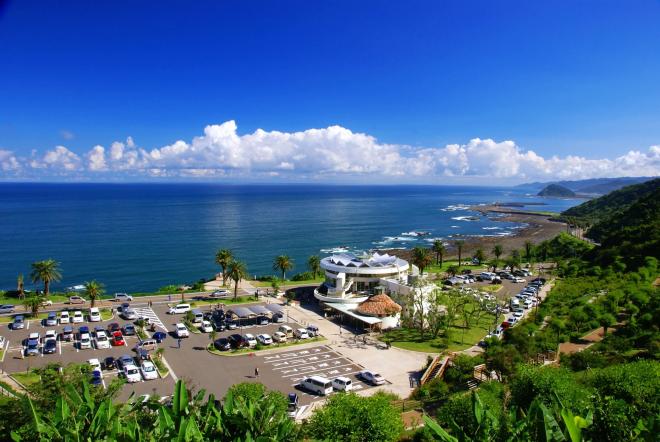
column 248, row 340
column 132, row 369
column 323, row 386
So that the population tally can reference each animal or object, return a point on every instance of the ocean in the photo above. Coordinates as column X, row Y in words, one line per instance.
column 139, row 237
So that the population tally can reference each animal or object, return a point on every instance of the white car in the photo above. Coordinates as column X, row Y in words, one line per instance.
column 264, row 339
column 123, row 297
column 148, row 370
column 64, row 317
column 206, row 327
column 132, row 373
column 94, row 314
column 178, row 309
column 371, row 377
column 519, row 280
column 517, row 315
column 300, row 333
column 222, row 293
column 50, row 334
column 101, row 340
column 181, row 331
column 78, row 317
column 85, row 341
column 95, row 364
column 278, row 336
column 342, row 384
column 250, row 340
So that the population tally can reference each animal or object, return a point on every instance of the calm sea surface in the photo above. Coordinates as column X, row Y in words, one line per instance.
column 135, row 237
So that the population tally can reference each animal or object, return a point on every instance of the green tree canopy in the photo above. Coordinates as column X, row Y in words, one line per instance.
column 46, row 271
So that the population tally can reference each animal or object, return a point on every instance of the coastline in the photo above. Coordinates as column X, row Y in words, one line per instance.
column 538, row 227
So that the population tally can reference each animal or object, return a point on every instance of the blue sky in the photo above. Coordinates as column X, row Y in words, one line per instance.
column 572, row 78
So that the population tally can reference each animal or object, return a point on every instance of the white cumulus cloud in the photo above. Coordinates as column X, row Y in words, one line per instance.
column 330, row 153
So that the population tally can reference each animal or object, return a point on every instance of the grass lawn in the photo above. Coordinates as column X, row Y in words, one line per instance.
column 28, row 316
column 245, row 351
column 491, row 288
column 106, row 314
column 26, row 379
column 459, row 337
column 15, row 301
column 288, row 282
column 226, row 301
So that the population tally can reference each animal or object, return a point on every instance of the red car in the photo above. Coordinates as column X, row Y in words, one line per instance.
column 117, row 339
column 112, row 328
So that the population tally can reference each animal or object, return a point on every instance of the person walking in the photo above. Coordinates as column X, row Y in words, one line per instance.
column 178, row 343
column 256, row 372
column 169, row 298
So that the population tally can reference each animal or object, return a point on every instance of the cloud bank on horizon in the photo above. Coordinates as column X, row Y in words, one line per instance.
column 331, row 154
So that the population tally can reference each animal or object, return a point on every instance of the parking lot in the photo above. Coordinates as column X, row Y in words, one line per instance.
column 189, row 360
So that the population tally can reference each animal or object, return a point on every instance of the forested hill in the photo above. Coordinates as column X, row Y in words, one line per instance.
column 625, row 222
column 605, row 206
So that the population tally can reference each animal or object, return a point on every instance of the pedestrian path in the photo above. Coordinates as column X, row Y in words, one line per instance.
column 147, row 312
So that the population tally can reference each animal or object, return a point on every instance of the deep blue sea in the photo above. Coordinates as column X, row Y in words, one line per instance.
column 135, row 237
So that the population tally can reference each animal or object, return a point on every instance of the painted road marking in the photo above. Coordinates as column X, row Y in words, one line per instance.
column 147, row 312
column 296, row 372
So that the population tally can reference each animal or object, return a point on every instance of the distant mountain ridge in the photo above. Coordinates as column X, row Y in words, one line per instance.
column 556, row 190
column 599, row 186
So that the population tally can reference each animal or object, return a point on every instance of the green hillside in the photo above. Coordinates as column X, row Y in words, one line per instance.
column 557, row 191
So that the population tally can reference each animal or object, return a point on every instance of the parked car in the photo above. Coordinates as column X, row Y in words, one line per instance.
column 222, row 344
column 148, row 370
column 109, row 363
column 371, row 377
column 179, row 309
column 231, row 325
column 317, row 384
column 67, row 333
column 118, row 339
column 50, row 347
column 262, row 320
column 83, row 329
column 264, row 339
column 278, row 317
column 159, row 337
column 206, row 327
column 32, row 346
column 78, row 317
column 292, row 407
column 77, row 300
column 122, row 297
column 85, row 341
column 123, row 361
column 101, row 339
column 50, row 334
column 129, row 330
column 342, row 384
column 18, row 323
column 238, row 341
column 129, row 314
column 252, row 342
column 95, row 364
column 312, row 331
column 279, row 337
column 300, row 333
column 518, row 280
column 51, row 319
column 132, row 374
column 96, row 379
column 288, row 331
column 147, row 345
column 181, row 331
column 113, row 327
column 94, row 314
column 7, row 308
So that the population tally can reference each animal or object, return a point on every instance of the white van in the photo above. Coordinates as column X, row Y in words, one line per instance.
column 94, row 314
column 64, row 317
column 178, row 309
column 318, row 385
column 301, row 333
column 198, row 316
column 514, row 303
column 342, row 384
column 288, row 331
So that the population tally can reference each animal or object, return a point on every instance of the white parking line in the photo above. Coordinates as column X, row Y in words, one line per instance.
column 59, row 346
column 300, row 354
column 28, row 325
column 311, row 360
column 296, row 372
column 6, row 350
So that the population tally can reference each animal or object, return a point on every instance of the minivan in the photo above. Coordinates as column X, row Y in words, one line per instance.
column 342, row 384
column 94, row 314
column 178, row 309
column 318, row 385
column 288, row 331
column 198, row 316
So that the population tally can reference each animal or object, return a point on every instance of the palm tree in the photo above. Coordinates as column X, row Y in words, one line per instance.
column 314, row 263
column 459, row 246
column 20, row 286
column 33, row 304
column 452, row 270
column 93, row 290
column 283, row 263
column 422, row 258
column 47, row 271
column 223, row 258
column 439, row 249
column 497, row 251
column 237, row 271
column 479, row 255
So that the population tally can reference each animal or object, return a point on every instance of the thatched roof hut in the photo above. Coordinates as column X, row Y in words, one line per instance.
column 379, row 306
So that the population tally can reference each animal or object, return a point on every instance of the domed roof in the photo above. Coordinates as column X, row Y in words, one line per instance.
column 379, row 305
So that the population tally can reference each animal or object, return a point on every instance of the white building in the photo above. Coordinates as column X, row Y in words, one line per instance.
column 350, row 279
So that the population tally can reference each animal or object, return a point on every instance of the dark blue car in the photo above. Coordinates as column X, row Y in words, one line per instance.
column 159, row 336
